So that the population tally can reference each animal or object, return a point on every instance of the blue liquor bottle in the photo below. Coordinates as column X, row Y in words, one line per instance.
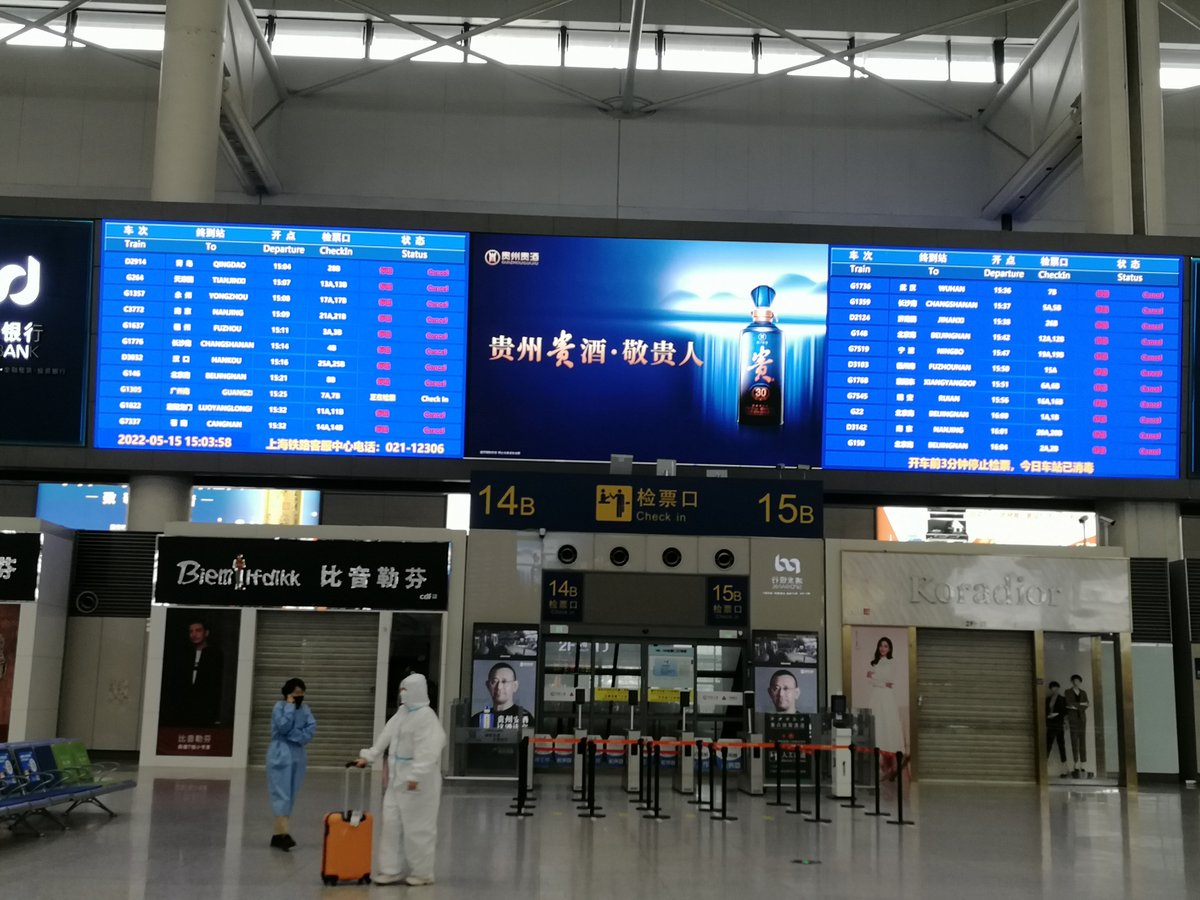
column 760, row 361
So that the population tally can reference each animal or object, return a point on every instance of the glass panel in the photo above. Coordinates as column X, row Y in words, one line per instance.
column 972, row 61
column 317, row 38
column 778, row 54
column 1180, row 68
column 608, row 50
column 520, row 46
column 416, row 646
column 1014, row 53
column 919, row 60
column 449, row 54
column 1080, row 710
column 708, row 53
column 35, row 37
column 392, row 42
column 121, row 31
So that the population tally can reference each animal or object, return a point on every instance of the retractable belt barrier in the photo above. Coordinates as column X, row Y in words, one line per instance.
column 648, row 797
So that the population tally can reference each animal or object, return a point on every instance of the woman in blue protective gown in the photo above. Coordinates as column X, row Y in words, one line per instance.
column 292, row 726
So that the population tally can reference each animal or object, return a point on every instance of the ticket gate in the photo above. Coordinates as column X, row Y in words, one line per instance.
column 633, row 763
column 686, row 764
column 752, row 777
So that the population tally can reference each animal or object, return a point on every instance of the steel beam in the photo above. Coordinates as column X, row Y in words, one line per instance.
column 44, row 20
column 1057, row 24
column 594, row 102
column 636, row 21
column 149, row 63
column 827, row 55
column 438, row 40
column 264, row 48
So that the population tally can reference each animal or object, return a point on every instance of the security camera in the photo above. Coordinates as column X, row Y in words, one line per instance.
column 542, row 531
column 1083, row 520
column 1106, row 520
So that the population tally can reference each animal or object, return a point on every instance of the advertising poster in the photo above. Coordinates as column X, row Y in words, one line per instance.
column 785, row 673
column 504, row 677
column 699, row 351
column 10, row 615
column 879, row 683
column 1070, row 706
column 45, row 293
column 199, row 682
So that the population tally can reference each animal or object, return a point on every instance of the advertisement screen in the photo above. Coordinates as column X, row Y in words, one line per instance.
column 785, row 673
column 199, row 682
column 504, row 676
column 279, row 339
column 45, row 294
column 1003, row 363
column 702, row 352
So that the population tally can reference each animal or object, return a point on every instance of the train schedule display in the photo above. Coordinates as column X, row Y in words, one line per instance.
column 278, row 339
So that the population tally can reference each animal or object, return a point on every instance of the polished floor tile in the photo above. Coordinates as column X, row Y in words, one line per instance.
column 204, row 834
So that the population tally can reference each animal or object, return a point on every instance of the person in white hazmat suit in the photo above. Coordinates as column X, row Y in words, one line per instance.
column 411, row 742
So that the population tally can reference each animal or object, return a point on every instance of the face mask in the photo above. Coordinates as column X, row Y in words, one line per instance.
column 299, row 701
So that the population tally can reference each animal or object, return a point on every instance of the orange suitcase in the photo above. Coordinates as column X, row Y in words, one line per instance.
column 347, row 851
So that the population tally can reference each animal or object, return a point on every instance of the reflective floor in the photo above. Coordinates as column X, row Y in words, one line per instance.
column 206, row 835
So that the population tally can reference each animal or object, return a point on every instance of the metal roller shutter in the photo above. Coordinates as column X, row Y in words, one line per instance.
column 976, row 706
column 335, row 655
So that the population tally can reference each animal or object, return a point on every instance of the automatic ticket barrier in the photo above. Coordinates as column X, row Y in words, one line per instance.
column 754, row 762
column 842, row 733
column 633, row 752
column 580, row 734
column 686, row 761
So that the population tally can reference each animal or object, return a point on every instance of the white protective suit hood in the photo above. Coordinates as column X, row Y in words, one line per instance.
column 415, row 691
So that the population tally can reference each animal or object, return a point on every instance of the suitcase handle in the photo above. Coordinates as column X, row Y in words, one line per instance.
column 363, row 781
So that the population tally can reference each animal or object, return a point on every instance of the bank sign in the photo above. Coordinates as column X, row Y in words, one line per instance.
column 330, row 574
column 1014, row 593
column 646, row 504
column 45, row 294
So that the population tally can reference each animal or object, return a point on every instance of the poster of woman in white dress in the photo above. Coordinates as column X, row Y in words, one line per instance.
column 879, row 660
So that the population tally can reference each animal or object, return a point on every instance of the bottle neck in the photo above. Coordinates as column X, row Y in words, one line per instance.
column 761, row 315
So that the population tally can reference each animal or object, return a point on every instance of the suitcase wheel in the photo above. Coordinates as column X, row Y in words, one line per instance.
column 329, row 879
column 366, row 879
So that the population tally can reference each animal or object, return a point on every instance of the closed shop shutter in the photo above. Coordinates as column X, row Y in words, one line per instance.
column 335, row 654
column 976, row 706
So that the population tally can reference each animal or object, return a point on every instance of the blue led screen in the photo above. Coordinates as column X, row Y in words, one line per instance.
column 281, row 339
column 702, row 352
column 1003, row 363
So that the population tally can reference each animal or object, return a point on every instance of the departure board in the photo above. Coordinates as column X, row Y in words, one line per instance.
column 279, row 339
column 1003, row 363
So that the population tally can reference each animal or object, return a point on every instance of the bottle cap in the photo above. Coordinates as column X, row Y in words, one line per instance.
column 762, row 296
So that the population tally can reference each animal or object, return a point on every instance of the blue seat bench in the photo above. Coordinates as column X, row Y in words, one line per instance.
column 38, row 778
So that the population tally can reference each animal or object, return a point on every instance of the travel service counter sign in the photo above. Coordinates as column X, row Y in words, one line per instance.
column 331, row 574
column 1014, row 593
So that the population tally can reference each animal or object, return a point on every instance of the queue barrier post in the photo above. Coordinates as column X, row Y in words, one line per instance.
column 878, row 757
column 522, row 781
column 815, row 755
column 656, row 808
column 642, row 800
column 799, row 810
column 591, row 807
column 698, row 776
column 778, row 751
column 723, row 816
column 853, row 804
column 712, row 776
column 900, row 820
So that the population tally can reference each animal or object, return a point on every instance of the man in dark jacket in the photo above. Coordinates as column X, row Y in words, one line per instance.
column 1056, row 722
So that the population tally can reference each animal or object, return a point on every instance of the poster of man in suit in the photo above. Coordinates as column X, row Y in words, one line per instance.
column 199, row 682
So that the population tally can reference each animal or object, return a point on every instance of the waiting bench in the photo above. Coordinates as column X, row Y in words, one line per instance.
column 37, row 777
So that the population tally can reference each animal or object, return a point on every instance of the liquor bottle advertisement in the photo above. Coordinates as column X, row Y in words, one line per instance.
column 698, row 351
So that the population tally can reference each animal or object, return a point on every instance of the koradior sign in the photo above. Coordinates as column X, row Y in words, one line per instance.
column 1012, row 593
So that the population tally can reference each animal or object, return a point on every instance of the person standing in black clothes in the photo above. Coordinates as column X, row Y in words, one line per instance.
column 1056, row 722
column 1077, row 707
